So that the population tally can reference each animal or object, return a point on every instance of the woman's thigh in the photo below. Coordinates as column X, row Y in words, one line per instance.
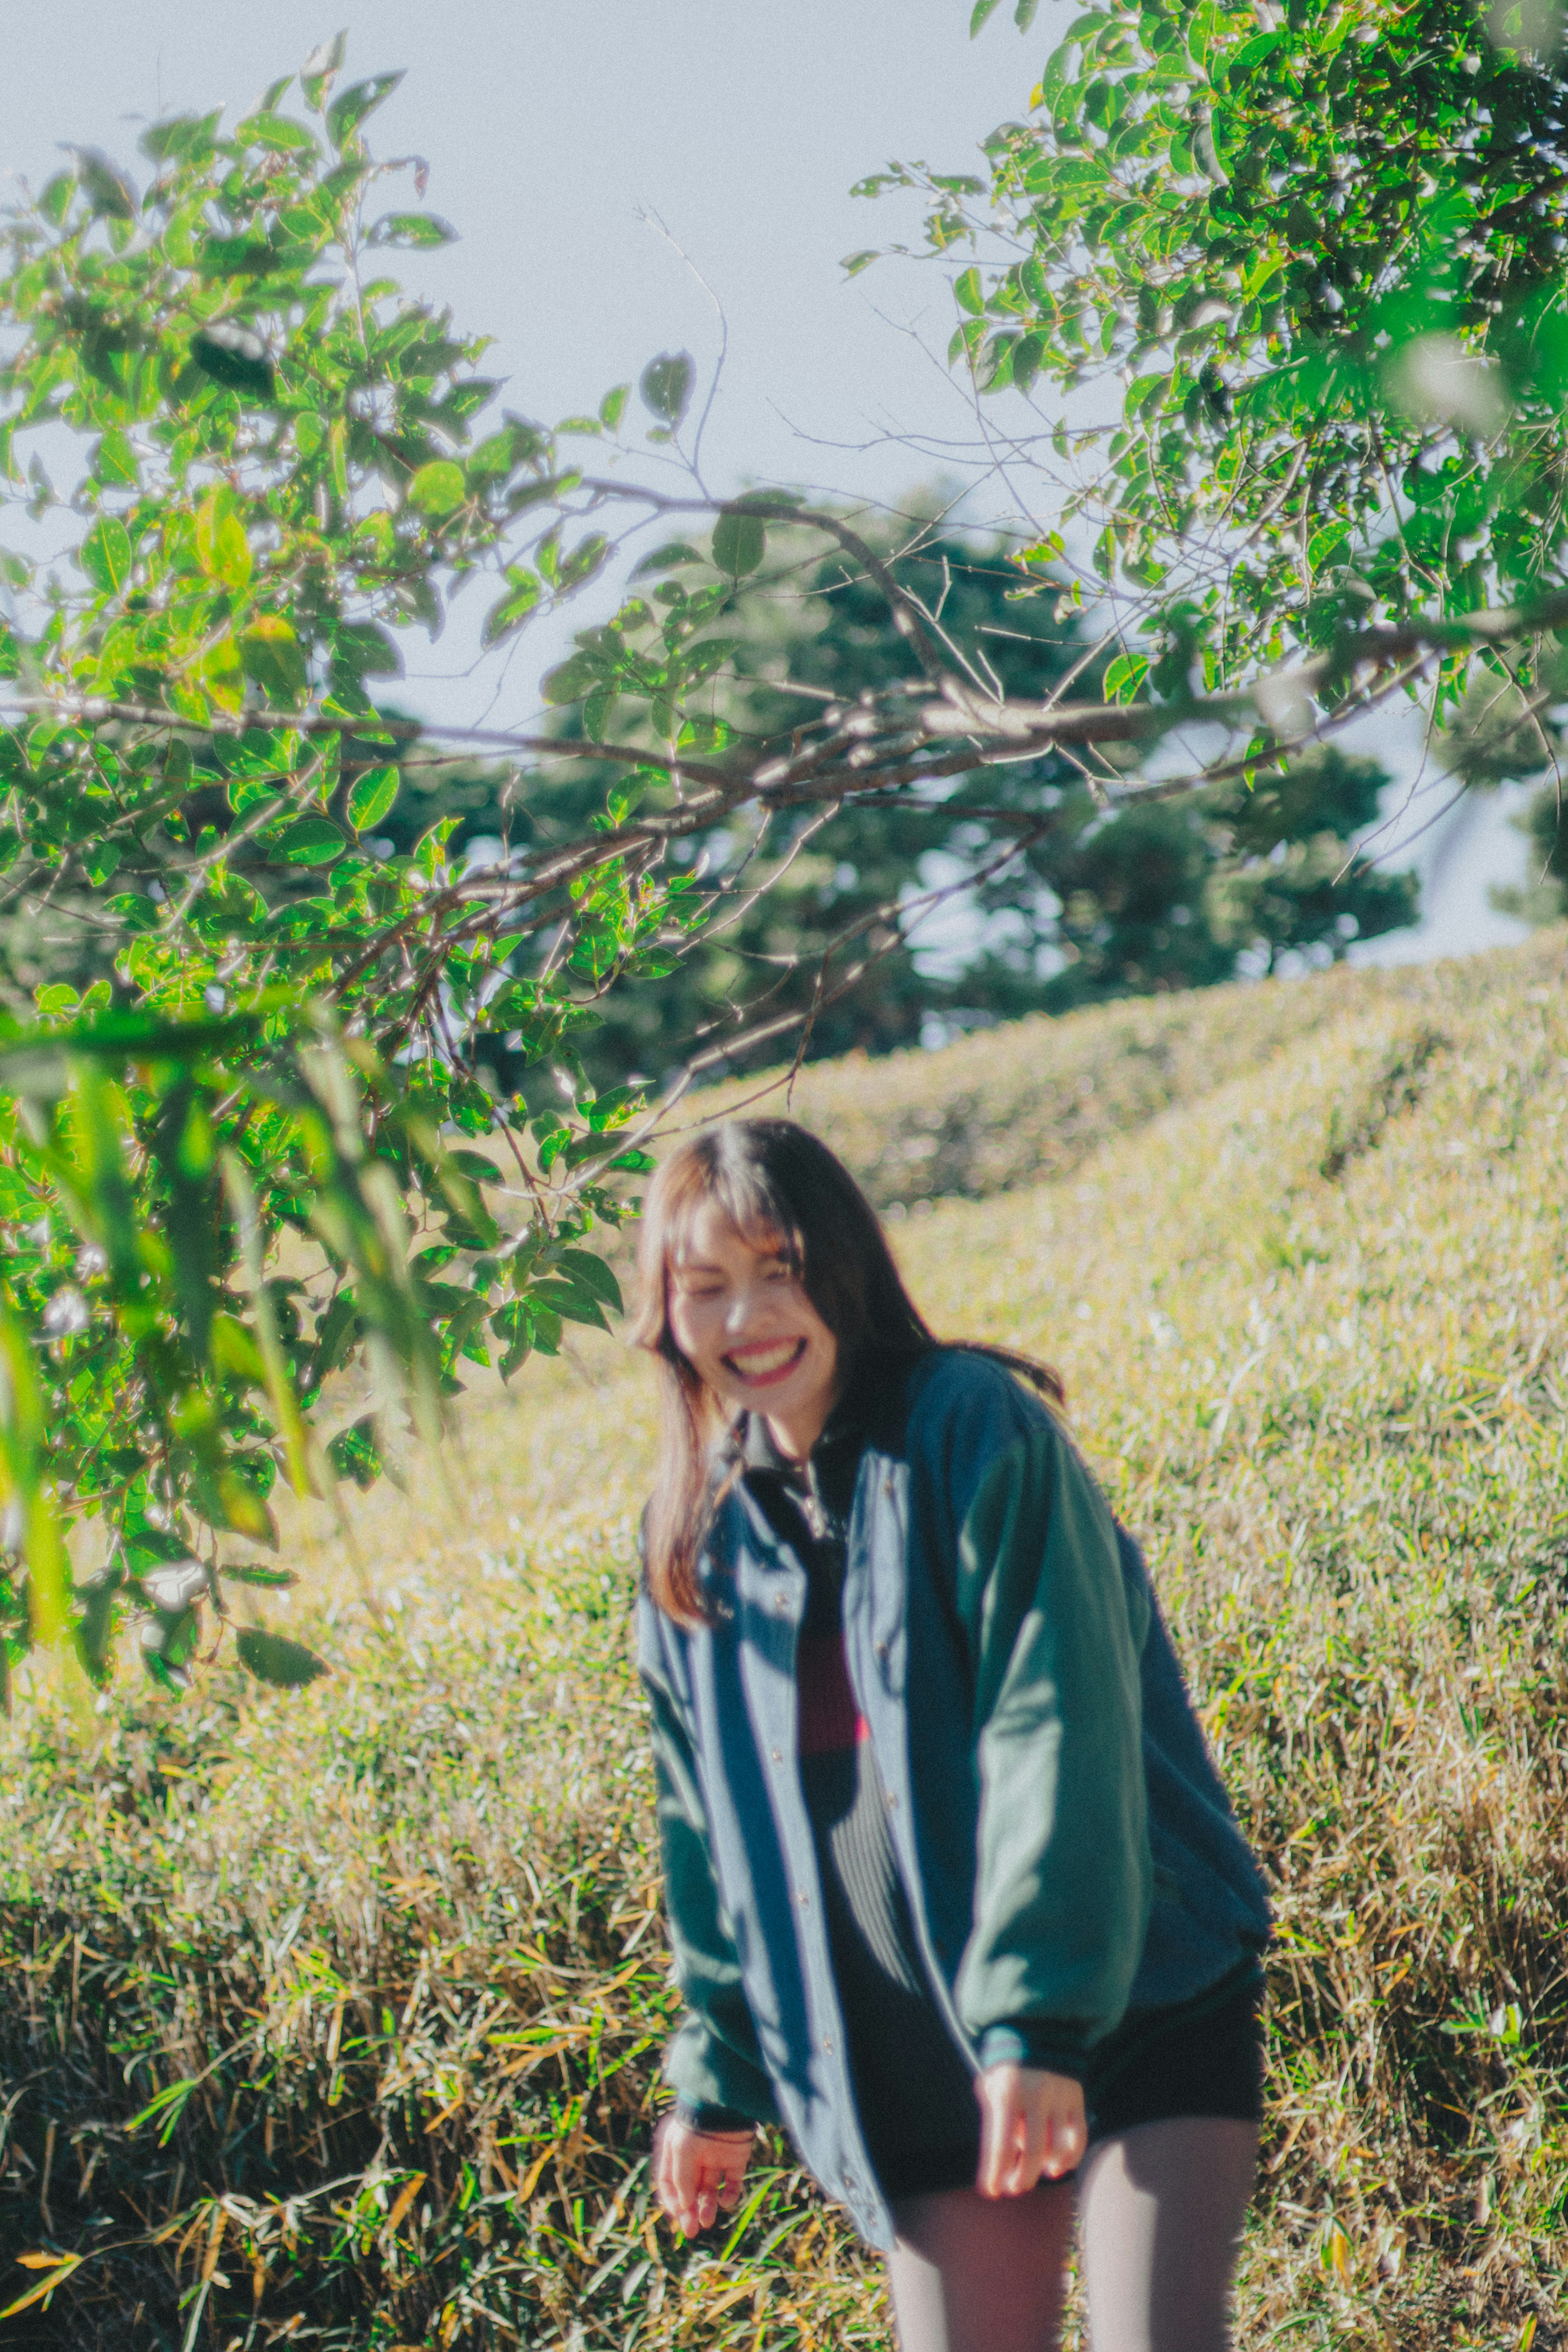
column 1161, row 2209
column 972, row 2274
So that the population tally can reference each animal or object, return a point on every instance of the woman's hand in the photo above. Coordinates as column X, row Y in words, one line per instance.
column 697, row 2174
column 1031, row 2128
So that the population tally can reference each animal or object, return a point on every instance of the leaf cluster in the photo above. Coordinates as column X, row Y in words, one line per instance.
column 1317, row 248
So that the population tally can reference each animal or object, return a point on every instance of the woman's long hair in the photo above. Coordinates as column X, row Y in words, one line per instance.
column 778, row 1185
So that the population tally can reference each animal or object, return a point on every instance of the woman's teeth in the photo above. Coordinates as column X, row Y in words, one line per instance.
column 760, row 1363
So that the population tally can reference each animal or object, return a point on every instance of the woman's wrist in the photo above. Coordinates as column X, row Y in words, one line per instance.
column 1034, row 2042
column 713, row 2122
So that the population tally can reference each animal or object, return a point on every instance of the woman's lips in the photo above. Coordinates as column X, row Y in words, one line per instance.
column 763, row 1367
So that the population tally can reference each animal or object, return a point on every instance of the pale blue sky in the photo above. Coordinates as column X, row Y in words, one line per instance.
column 550, row 131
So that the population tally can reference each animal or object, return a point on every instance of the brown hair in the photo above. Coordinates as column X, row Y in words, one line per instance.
column 771, row 1178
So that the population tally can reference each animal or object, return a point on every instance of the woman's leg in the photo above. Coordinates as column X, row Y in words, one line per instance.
column 1163, row 2206
column 972, row 2274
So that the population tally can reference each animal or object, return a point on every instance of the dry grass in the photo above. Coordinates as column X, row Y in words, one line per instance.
column 387, row 1952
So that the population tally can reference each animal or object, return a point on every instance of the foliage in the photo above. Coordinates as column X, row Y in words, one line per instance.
column 263, row 1039
column 381, row 2070
column 1319, row 246
column 296, row 1116
column 1097, row 903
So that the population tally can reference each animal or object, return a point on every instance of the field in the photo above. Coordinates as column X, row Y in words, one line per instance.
column 332, row 2020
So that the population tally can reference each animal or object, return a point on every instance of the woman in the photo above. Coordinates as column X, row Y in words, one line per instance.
column 954, row 1890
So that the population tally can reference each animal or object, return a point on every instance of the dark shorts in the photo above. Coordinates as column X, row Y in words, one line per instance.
column 1167, row 2064
column 1202, row 2058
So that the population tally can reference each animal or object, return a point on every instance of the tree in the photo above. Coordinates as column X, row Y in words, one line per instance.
column 249, row 1138
column 1320, row 248
column 1106, row 903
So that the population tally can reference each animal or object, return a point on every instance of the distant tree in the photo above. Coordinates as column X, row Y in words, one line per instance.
column 1103, row 901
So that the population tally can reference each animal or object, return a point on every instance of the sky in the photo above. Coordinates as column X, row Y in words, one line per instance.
column 618, row 174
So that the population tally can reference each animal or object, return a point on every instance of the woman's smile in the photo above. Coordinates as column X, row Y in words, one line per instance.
column 766, row 1361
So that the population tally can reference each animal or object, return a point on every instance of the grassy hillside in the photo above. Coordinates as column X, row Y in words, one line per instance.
column 333, row 2020
column 1024, row 1103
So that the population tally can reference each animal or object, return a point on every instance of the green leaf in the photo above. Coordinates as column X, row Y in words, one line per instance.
column 365, row 649
column 258, row 1572
column 613, row 407
column 586, row 558
column 970, row 292
column 438, row 487
column 1325, row 545
column 354, row 1453
column 739, row 544
column 105, row 185
column 239, row 362
column 665, row 558
column 594, row 1275
column 222, row 547
column 345, row 114
column 271, row 654
column 411, row 232
column 277, row 133
column 1124, row 676
column 514, row 608
column 177, row 136
column 1024, row 14
column 238, row 257
column 134, row 913
column 572, row 679
column 274, row 1658
column 116, row 459
column 983, row 11
column 1250, row 54
column 106, row 555
column 310, row 841
column 54, row 201
column 370, row 796
column 666, row 386
column 320, row 68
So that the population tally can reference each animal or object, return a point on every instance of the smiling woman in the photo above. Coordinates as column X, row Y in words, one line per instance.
column 755, row 1235
column 907, row 1678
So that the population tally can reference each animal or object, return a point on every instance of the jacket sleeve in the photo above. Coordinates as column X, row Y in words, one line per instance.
column 1064, row 1874
column 713, row 2062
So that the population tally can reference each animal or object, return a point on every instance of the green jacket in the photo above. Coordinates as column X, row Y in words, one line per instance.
column 1065, row 1844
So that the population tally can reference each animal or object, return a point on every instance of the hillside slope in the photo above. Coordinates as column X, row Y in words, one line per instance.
column 336, row 2016
column 1026, row 1103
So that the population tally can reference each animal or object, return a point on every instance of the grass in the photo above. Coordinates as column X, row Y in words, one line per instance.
column 334, row 2019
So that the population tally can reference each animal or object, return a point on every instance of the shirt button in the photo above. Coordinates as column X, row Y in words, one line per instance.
column 777, row 1755
column 803, row 1898
column 827, row 2046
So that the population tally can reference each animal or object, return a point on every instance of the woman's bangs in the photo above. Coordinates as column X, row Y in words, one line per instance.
column 744, row 1197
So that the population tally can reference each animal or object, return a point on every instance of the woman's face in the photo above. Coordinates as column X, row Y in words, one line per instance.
column 744, row 1323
